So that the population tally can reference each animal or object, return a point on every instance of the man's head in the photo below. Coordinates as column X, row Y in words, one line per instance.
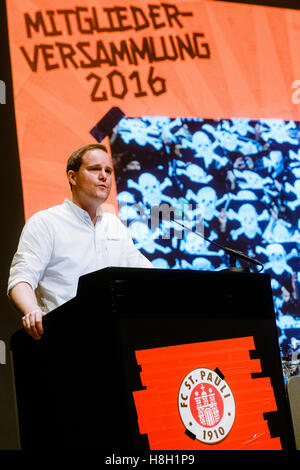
column 89, row 171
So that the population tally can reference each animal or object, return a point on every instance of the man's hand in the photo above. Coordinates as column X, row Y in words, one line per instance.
column 24, row 299
column 32, row 323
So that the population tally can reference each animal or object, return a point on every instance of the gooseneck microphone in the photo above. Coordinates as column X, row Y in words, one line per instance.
column 233, row 254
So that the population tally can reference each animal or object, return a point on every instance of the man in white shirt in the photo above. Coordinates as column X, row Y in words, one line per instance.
column 64, row 242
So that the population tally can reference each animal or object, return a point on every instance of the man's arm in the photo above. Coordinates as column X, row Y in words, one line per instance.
column 134, row 257
column 28, row 265
column 24, row 299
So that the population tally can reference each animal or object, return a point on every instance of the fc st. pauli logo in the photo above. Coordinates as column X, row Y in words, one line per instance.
column 206, row 405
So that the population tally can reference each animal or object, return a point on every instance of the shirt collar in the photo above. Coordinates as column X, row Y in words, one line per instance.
column 81, row 213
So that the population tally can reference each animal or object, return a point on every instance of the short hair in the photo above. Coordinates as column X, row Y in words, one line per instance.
column 75, row 160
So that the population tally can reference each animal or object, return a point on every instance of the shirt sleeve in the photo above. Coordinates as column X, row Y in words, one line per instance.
column 33, row 253
column 135, row 259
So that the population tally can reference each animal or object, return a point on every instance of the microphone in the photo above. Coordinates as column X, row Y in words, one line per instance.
column 233, row 254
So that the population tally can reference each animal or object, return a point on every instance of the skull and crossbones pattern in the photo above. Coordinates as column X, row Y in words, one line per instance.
column 240, row 177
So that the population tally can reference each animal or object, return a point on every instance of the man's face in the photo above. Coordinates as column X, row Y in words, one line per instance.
column 93, row 180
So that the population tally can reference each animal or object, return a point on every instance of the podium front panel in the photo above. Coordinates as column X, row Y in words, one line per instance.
column 132, row 332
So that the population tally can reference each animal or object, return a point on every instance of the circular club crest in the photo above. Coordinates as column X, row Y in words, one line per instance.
column 206, row 405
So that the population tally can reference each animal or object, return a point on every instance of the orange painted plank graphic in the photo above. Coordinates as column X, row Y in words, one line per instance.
column 158, row 406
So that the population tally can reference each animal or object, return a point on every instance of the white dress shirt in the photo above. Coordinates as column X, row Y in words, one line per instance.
column 60, row 244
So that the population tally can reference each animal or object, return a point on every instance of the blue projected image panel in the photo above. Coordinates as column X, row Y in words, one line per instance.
column 244, row 174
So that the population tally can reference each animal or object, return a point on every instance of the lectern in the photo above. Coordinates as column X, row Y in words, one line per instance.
column 155, row 359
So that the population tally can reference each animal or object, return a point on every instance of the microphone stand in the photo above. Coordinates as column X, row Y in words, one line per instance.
column 234, row 255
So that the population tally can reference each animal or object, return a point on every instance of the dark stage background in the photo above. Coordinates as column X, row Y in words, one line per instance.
column 11, row 203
